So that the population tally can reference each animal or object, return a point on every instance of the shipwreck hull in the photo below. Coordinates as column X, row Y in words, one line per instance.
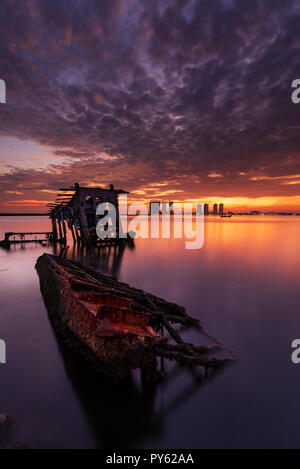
column 111, row 354
column 112, row 325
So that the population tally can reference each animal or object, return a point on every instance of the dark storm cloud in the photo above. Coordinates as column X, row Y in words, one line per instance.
column 183, row 87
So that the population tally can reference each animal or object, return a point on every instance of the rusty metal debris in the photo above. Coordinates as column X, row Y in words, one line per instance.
column 115, row 327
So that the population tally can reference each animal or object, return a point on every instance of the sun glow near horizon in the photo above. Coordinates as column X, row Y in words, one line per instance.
column 236, row 203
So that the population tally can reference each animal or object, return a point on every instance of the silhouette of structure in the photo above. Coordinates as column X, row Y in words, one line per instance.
column 154, row 207
column 75, row 208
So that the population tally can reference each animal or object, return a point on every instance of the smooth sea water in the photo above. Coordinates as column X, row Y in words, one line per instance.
column 244, row 286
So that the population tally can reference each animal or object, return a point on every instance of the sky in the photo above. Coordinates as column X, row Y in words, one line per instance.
column 182, row 100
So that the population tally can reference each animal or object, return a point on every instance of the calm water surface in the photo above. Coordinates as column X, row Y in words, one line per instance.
column 244, row 285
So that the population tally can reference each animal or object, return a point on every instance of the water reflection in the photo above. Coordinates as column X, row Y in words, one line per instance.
column 107, row 259
column 243, row 285
column 121, row 415
column 124, row 414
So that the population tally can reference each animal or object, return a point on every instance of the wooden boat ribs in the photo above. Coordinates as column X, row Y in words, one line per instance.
column 115, row 327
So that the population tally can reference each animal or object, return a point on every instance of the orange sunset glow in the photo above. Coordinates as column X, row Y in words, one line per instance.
column 149, row 227
column 164, row 119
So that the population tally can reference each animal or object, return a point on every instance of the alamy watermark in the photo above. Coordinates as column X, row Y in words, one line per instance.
column 2, row 351
column 2, row 101
column 2, row 92
column 295, row 356
column 296, row 93
column 186, row 223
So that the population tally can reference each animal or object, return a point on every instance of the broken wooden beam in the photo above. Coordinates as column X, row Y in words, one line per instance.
column 81, row 302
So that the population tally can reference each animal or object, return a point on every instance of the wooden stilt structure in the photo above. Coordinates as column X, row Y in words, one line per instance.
column 75, row 208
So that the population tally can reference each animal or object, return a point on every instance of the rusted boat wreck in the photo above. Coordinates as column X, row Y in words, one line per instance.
column 116, row 328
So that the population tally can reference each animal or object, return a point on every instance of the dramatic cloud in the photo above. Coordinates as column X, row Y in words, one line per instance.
column 194, row 95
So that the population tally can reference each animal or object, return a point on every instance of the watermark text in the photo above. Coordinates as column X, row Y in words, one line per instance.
column 135, row 220
column 295, row 357
column 2, row 91
column 2, row 351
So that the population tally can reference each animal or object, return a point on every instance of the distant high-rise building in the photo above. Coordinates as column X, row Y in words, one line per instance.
column 215, row 209
column 206, row 209
column 171, row 208
column 164, row 208
column 154, row 207
column 221, row 209
column 199, row 209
